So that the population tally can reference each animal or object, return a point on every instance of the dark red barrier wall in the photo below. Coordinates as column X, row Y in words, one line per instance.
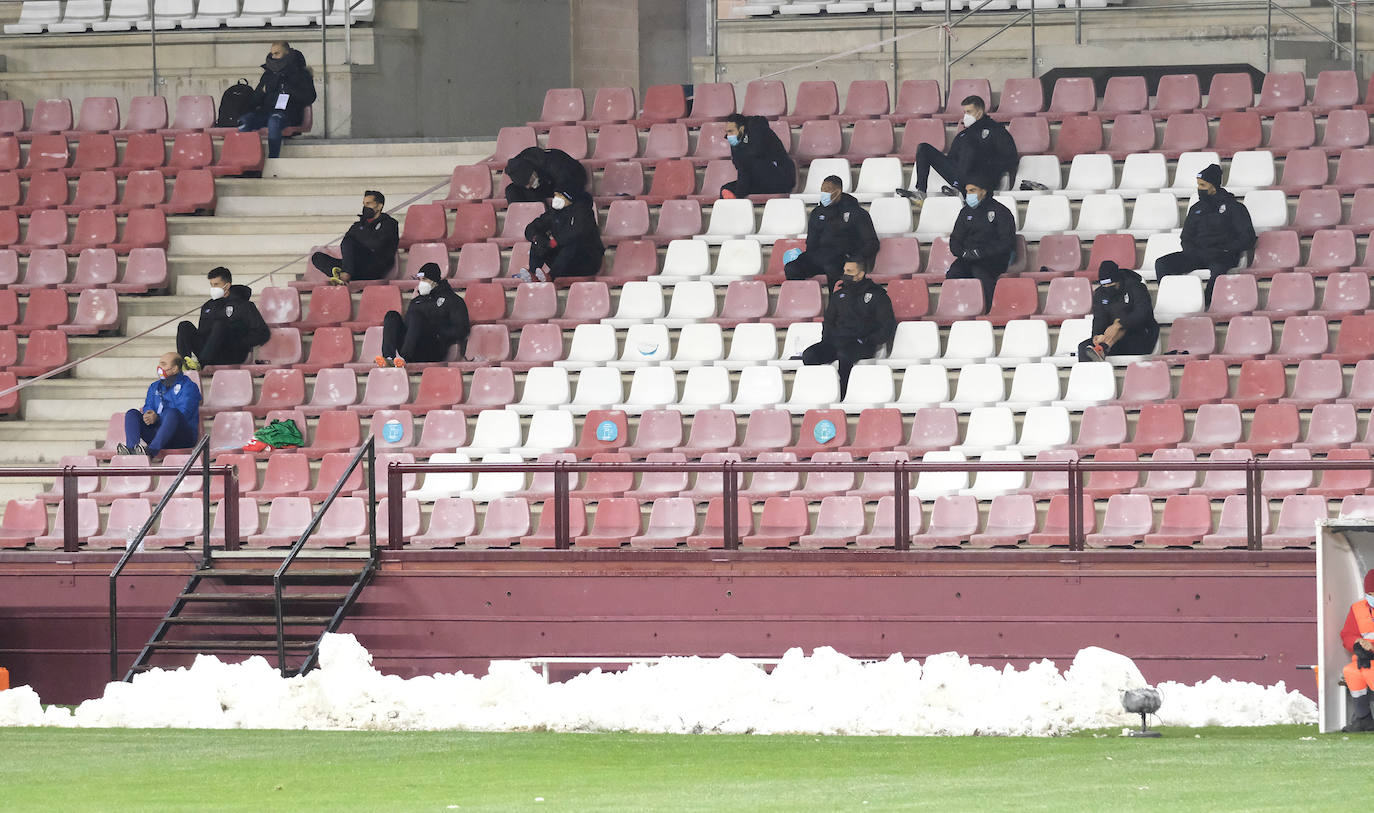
column 1182, row 616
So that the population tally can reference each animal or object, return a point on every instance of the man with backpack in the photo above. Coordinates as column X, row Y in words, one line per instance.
column 281, row 96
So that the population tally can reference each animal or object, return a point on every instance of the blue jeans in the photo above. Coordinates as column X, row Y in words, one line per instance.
column 172, row 431
column 274, row 121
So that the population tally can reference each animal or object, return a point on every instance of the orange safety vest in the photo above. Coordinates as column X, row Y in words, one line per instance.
column 1364, row 620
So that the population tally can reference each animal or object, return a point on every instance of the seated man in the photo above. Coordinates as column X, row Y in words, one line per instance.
column 368, row 247
column 983, row 240
column 536, row 174
column 983, row 147
column 858, row 321
column 839, row 230
column 566, row 239
column 1216, row 232
column 279, row 101
column 170, row 418
column 1123, row 316
column 436, row 319
column 230, row 325
column 762, row 166
column 1358, row 637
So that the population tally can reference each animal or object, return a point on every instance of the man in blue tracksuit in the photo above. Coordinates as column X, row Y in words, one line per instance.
column 170, row 418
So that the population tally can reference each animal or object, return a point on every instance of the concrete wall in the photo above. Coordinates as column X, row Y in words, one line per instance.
column 665, row 41
column 605, row 44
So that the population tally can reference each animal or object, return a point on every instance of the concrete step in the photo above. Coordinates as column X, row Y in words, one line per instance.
column 368, row 148
column 29, row 452
column 256, row 226
column 240, row 245
column 375, row 166
column 89, row 408
column 322, row 205
column 117, row 368
column 397, row 189
column 22, row 488
column 158, row 326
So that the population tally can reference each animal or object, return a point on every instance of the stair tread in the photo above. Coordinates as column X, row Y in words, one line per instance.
column 294, row 620
column 262, row 645
column 338, row 573
column 262, row 596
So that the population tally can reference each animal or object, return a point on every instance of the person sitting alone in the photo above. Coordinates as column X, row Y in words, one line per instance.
column 981, row 148
column 1123, row 316
column 1216, row 232
column 368, row 248
column 281, row 96
column 170, row 418
column 230, row 325
column 762, row 166
column 565, row 240
column 1357, row 636
column 858, row 321
column 537, row 173
column 839, row 230
column 983, row 240
column 435, row 320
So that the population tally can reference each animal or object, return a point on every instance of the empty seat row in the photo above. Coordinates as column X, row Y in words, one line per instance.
column 79, row 16
column 93, row 228
column 239, row 153
column 193, row 191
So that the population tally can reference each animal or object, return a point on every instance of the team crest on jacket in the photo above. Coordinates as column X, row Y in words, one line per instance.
column 986, row 133
column 992, row 216
column 229, row 311
column 1221, row 210
column 439, row 303
column 868, row 297
column 846, row 217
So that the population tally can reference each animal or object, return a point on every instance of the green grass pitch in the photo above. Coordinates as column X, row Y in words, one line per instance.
column 1189, row 769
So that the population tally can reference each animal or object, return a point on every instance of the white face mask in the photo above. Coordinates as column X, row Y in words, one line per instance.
column 424, row 287
column 217, row 292
column 558, row 202
column 969, row 120
column 161, row 373
column 1369, row 599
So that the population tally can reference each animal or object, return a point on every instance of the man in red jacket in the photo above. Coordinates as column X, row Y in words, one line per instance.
column 1358, row 638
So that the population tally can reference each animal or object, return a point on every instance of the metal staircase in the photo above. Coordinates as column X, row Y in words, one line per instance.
column 255, row 602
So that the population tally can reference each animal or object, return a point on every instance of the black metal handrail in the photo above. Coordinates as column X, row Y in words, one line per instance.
column 367, row 450
column 201, row 451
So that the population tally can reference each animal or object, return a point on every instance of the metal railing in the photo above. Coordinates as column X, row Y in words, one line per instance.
column 201, row 452
column 902, row 472
column 367, row 451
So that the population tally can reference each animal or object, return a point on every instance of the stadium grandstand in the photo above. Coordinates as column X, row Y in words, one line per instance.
column 635, row 463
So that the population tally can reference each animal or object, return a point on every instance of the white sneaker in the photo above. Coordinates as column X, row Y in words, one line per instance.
column 524, row 275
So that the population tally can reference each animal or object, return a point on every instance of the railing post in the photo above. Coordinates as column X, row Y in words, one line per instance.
column 730, row 510
column 1354, row 37
column 1252, row 502
column 1076, row 530
column 947, row 34
column 1033, row 71
column 1078, row 24
column 371, row 465
column 324, row 72
column 1268, row 36
column 231, row 510
column 69, row 512
column 1335, row 30
column 393, row 507
column 205, row 501
column 714, row 11
column 901, row 507
column 894, row 50
column 152, row 42
column 114, row 631
column 562, row 535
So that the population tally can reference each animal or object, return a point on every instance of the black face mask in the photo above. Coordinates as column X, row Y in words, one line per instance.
column 1202, row 193
column 275, row 65
column 367, row 214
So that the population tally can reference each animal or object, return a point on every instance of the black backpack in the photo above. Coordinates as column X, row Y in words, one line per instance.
column 236, row 101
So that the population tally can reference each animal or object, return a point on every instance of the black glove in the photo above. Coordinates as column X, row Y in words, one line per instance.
column 1363, row 657
column 972, row 254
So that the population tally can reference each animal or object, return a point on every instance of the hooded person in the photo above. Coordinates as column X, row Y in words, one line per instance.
column 229, row 328
column 565, row 241
column 838, row 231
column 984, row 237
column 1216, row 232
column 435, row 320
column 1123, row 316
column 281, row 96
column 858, row 321
column 536, row 174
column 1357, row 636
column 170, row 417
column 762, row 166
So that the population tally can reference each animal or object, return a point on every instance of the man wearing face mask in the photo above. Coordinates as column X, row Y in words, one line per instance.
column 170, row 418
column 565, row 239
column 983, row 240
column 436, row 319
column 762, row 166
column 536, row 174
column 858, row 321
column 230, row 325
column 1357, row 635
column 1123, row 316
column 1216, row 232
column 279, row 101
column 368, row 247
column 839, row 230
column 983, row 147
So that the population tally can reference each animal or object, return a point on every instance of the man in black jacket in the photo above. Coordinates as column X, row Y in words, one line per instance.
column 230, row 325
column 983, row 240
column 1216, row 232
column 368, row 247
column 436, row 319
column 566, row 239
column 983, row 148
column 839, row 230
column 858, row 321
column 761, row 163
column 1123, row 316
column 536, row 174
column 279, row 101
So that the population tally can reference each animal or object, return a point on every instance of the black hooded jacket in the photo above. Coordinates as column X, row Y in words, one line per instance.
column 236, row 310
column 841, row 232
column 985, row 235
column 380, row 235
column 572, row 228
column 445, row 309
column 859, row 311
column 985, row 148
column 758, row 144
column 1218, row 228
column 293, row 79
column 556, row 169
column 1127, row 300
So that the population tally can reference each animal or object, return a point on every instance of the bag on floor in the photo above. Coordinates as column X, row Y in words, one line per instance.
column 236, row 102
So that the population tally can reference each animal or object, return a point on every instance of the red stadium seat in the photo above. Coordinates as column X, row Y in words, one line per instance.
column 621, row 179
column 1229, row 91
column 960, row 89
column 1282, row 91
column 764, row 97
column 953, row 519
column 51, row 116
column 712, row 101
column 1238, row 130
column 1186, row 519
column 468, row 184
column 95, row 189
column 146, row 114
column 570, row 138
column 1073, row 95
column 561, row 106
column 93, row 151
column 1335, row 89
column 870, row 138
column 866, row 99
column 1177, row 93
column 1021, row 97
column 928, row 131
column 1078, row 135
column 1131, row 133
column 673, row 178
column 144, row 228
column 47, row 268
column 1158, row 426
column 783, row 521
column 46, row 152
column 816, row 99
column 1291, row 130
column 669, row 140
column 662, row 103
column 1260, row 381
column 917, row 98
column 192, row 193
column 1184, row 132
column 97, row 311
column 192, row 113
column 424, row 223
column 611, row 106
column 240, row 154
column 142, row 151
column 768, row 430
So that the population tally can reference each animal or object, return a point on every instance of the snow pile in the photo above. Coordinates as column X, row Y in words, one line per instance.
column 825, row 693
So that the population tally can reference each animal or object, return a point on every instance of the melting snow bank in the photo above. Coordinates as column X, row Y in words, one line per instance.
column 826, row 693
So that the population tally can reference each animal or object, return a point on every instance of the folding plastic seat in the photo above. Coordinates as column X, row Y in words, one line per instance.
column 989, row 428
column 1337, row 483
column 1153, row 212
column 47, row 153
column 1089, row 173
column 1231, row 527
column 1354, row 340
column 46, row 309
column 1251, row 170
column 1354, row 170
column 1260, row 381
column 510, row 142
column 451, row 521
column 1335, row 89
column 1178, row 296
column 1177, row 93
column 924, row 131
column 1304, row 338
column 1107, row 482
column 1247, row 337
column 23, row 522
column 953, row 520
column 916, row 98
column 561, row 106
column 1291, row 293
column 1291, row 131
column 767, row 485
column 815, row 100
column 1317, row 381
column 95, row 189
column 1078, row 135
column 1235, row 91
column 1131, row 133
column 127, row 516
column 1274, row 426
column 1346, row 292
column 570, row 138
column 34, row 17
column 1045, row 215
column 1345, row 129
column 1234, row 295
column 47, row 268
column 1071, row 96
column 768, row 429
column 1295, row 528
column 1281, row 91
column 1331, row 427
column 923, row 385
column 192, row 113
column 1020, row 97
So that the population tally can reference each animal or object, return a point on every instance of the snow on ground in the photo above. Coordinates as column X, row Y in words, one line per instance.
column 825, row 693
